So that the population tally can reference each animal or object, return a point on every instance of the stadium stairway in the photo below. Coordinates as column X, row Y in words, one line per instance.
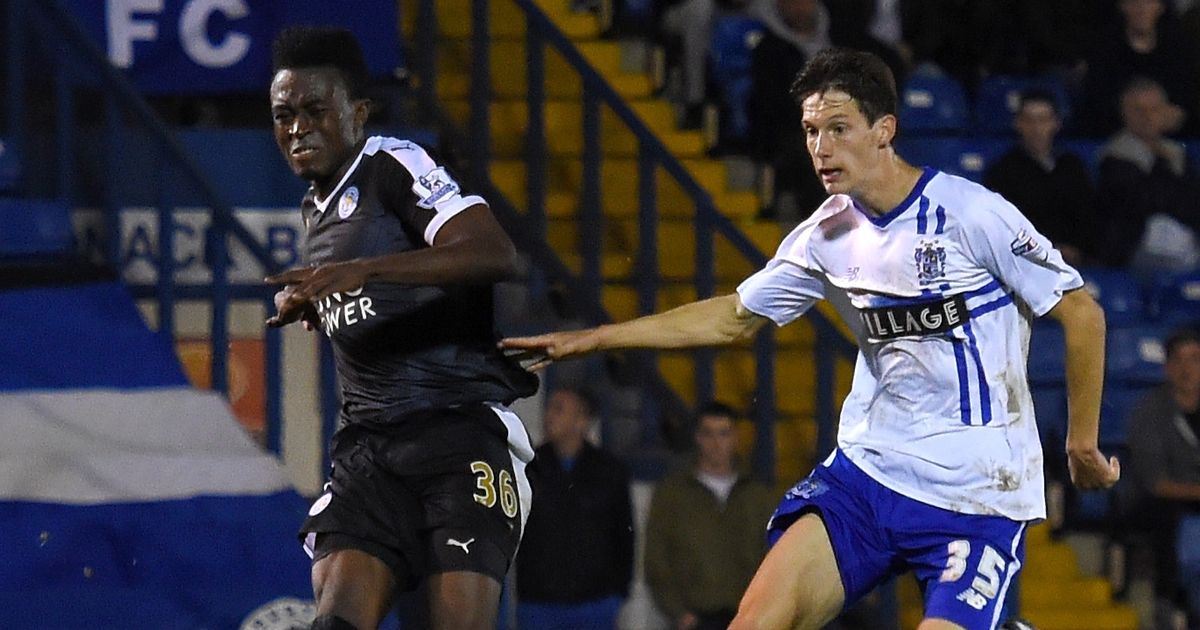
column 613, row 60
column 127, row 498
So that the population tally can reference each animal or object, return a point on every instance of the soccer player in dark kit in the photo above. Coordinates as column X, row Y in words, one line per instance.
column 428, row 479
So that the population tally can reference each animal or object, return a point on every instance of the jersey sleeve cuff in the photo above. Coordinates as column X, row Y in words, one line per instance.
column 778, row 318
column 447, row 212
column 1048, row 305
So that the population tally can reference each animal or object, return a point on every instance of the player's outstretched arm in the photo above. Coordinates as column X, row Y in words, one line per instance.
column 712, row 322
column 471, row 248
column 1083, row 326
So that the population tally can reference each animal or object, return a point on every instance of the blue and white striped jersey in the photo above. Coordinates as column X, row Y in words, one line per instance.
column 941, row 292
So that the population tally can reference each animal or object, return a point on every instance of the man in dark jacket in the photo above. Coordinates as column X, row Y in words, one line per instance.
column 1051, row 188
column 576, row 560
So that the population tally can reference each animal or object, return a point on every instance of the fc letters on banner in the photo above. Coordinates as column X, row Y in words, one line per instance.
column 215, row 46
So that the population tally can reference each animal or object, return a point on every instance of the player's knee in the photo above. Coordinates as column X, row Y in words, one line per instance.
column 331, row 622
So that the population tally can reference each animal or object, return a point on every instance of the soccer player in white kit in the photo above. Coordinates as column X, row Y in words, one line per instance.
column 938, row 466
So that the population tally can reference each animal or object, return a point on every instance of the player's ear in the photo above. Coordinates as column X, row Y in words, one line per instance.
column 362, row 111
column 885, row 130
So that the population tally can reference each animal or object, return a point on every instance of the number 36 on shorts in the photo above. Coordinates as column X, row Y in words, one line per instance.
column 492, row 487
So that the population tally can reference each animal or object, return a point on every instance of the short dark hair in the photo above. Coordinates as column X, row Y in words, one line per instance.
column 1180, row 336
column 862, row 75
column 1037, row 95
column 317, row 46
column 585, row 396
column 715, row 408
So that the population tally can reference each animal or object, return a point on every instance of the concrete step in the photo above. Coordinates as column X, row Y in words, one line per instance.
column 508, row 63
column 564, row 130
column 734, row 376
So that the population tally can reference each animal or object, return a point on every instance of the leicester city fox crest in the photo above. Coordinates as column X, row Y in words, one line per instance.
column 931, row 261
column 348, row 202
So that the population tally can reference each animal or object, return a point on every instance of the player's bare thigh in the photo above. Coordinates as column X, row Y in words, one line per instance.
column 463, row 600
column 939, row 624
column 353, row 585
column 797, row 585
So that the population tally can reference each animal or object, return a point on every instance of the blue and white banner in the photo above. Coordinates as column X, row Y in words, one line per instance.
column 127, row 498
column 206, row 46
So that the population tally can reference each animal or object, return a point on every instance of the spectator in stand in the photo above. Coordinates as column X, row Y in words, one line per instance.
column 707, row 529
column 1164, row 446
column 1051, row 188
column 575, row 563
column 1056, row 36
column 873, row 25
column 689, row 23
column 799, row 30
column 1147, row 42
column 961, row 38
column 1150, row 202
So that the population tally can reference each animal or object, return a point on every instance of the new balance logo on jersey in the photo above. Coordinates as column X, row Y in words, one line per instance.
column 914, row 320
column 465, row 545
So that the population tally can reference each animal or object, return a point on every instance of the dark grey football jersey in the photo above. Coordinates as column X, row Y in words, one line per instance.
column 401, row 348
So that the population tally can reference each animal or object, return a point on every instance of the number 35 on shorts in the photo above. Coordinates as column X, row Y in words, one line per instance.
column 492, row 487
column 986, row 583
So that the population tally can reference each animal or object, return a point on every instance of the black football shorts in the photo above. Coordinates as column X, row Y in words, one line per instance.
column 435, row 491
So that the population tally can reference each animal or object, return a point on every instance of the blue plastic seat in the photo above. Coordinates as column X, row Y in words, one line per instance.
column 939, row 152
column 998, row 97
column 1135, row 353
column 1050, row 411
column 1118, row 292
column 1193, row 153
column 1087, row 150
column 1176, row 299
column 730, row 56
column 933, row 104
column 1047, row 363
column 1118, row 401
column 975, row 155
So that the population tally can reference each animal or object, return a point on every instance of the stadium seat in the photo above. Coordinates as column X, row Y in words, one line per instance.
column 10, row 168
column 1193, row 152
column 933, row 104
column 34, row 229
column 1118, row 401
column 1176, row 299
column 1047, row 365
column 975, row 155
column 997, row 99
column 1135, row 353
column 1118, row 292
column 730, row 54
column 1087, row 150
column 1050, row 411
column 965, row 157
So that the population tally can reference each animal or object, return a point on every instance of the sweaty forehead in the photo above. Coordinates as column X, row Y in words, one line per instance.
column 296, row 85
column 824, row 105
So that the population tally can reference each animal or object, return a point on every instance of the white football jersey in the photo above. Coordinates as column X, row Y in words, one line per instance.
column 941, row 292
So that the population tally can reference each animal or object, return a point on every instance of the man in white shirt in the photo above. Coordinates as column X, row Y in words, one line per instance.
column 938, row 467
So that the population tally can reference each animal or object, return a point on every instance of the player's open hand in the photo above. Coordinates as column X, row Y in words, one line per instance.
column 536, row 353
column 1090, row 470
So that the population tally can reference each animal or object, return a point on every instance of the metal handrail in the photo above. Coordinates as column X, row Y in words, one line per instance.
column 651, row 154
